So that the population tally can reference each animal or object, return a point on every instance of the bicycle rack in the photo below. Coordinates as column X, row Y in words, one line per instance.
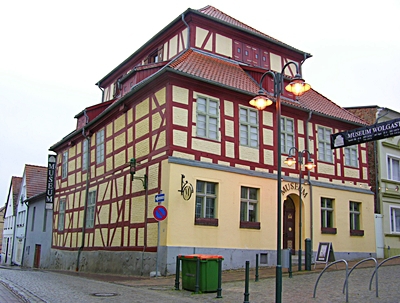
column 345, row 282
column 362, row 261
column 376, row 270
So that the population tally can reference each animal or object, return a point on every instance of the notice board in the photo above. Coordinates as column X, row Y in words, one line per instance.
column 325, row 253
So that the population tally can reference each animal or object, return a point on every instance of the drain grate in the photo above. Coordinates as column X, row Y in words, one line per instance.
column 108, row 294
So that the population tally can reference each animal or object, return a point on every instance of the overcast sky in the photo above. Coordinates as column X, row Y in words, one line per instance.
column 52, row 53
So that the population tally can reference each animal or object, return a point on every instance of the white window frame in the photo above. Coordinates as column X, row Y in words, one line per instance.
column 207, row 124
column 391, row 173
column 91, row 209
column 61, row 215
column 394, row 226
column 85, row 148
column 207, row 199
column 351, row 156
column 64, row 165
column 325, row 152
column 100, row 146
column 249, row 202
column 248, row 127
column 287, row 134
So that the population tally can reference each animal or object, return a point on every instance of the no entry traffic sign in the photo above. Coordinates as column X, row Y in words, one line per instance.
column 160, row 213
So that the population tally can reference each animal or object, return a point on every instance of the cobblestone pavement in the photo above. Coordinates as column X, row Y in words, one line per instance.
column 59, row 287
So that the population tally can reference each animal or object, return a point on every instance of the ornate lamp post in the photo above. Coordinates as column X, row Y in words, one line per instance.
column 297, row 87
column 309, row 165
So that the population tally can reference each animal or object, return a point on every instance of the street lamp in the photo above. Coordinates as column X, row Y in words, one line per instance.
column 309, row 165
column 297, row 87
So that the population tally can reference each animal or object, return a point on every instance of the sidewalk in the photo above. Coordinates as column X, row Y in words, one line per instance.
column 227, row 275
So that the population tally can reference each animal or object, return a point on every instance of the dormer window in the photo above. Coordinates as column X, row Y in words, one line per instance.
column 155, row 56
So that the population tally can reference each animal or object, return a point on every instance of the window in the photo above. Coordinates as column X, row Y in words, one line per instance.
column 100, row 146
column 33, row 218
column 350, row 156
column 355, row 229
column 207, row 118
column 206, row 196
column 91, row 209
column 61, row 215
column 248, row 127
column 394, row 219
column 249, row 208
column 64, row 165
column 393, row 169
column 84, row 154
column 324, row 144
column 327, row 216
column 44, row 220
column 287, row 134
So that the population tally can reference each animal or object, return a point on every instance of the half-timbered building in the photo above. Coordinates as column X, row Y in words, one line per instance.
column 175, row 119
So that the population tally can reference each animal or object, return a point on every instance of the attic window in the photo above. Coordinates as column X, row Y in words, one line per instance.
column 155, row 56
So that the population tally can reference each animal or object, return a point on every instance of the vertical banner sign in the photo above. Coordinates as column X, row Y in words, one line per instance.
column 50, row 188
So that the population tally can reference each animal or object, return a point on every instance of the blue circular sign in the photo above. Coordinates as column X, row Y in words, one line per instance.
column 160, row 213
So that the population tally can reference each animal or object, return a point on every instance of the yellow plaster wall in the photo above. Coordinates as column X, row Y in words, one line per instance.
column 223, row 45
column 142, row 148
column 173, row 46
column 119, row 123
column 116, row 240
column 142, row 109
column 275, row 62
column 328, row 169
column 342, row 241
column 119, row 141
column 180, row 116
column 351, row 172
column 180, row 95
column 201, row 34
column 228, row 108
column 267, row 118
column 229, row 128
column 142, row 128
column 206, row 146
column 249, row 154
column 179, row 138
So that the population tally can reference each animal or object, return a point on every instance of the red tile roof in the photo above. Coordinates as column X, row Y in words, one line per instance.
column 216, row 13
column 16, row 186
column 229, row 73
column 36, row 180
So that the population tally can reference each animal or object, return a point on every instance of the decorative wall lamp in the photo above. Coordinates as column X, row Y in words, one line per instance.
column 309, row 165
column 132, row 171
column 186, row 188
column 297, row 86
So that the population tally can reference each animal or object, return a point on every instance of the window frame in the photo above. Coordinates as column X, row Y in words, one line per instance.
column 390, row 168
column 325, row 153
column 392, row 214
column 204, row 195
column 285, row 134
column 100, row 145
column 249, row 127
column 64, row 165
column 327, row 215
column 91, row 209
column 348, row 160
column 245, row 221
column 208, row 117
column 61, row 215
column 85, row 154
column 355, row 219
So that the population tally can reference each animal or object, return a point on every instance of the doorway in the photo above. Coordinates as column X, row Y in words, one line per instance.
column 36, row 260
column 289, row 212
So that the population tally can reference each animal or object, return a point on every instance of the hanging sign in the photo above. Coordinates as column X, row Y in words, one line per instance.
column 50, row 188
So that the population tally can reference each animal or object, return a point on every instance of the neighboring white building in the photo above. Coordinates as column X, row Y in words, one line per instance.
column 33, row 183
column 9, row 220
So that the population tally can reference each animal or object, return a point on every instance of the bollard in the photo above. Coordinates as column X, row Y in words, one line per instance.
column 256, row 268
column 246, row 283
column 290, row 264
column 308, row 254
column 178, row 260
column 219, row 289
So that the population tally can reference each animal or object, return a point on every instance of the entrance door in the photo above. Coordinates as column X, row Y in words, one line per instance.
column 36, row 260
column 289, row 224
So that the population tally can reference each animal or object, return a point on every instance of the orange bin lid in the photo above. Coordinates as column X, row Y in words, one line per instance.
column 201, row 256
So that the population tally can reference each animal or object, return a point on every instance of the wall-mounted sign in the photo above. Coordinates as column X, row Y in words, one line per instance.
column 50, row 187
column 294, row 186
column 374, row 132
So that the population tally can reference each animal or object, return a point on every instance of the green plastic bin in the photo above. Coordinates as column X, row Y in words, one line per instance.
column 208, row 276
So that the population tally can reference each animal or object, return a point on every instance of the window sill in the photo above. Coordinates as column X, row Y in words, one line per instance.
column 329, row 230
column 206, row 221
column 356, row 232
column 250, row 225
